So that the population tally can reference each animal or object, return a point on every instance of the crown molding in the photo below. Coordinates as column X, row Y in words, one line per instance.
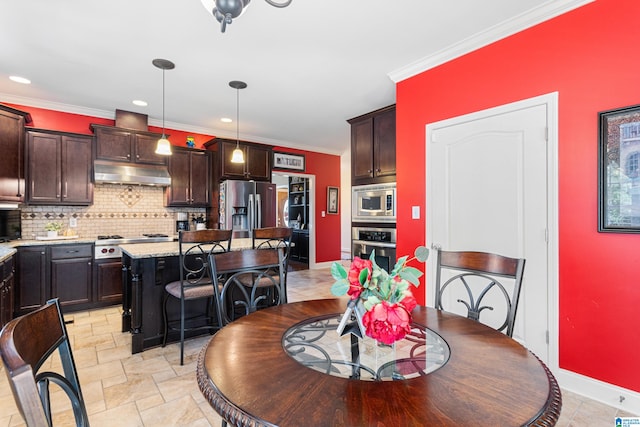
column 75, row 109
column 528, row 19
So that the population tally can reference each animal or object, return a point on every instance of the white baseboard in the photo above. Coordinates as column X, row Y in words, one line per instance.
column 609, row 394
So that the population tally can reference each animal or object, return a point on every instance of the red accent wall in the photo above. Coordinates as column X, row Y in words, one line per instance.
column 589, row 56
column 325, row 167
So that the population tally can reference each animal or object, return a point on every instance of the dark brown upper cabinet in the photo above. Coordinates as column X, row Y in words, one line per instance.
column 127, row 145
column 257, row 160
column 191, row 177
column 12, row 123
column 373, row 147
column 59, row 168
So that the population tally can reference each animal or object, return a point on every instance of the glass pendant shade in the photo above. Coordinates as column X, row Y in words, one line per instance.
column 164, row 146
column 237, row 156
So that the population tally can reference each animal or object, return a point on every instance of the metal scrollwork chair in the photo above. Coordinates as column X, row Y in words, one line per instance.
column 25, row 345
column 275, row 237
column 195, row 282
column 473, row 280
column 235, row 297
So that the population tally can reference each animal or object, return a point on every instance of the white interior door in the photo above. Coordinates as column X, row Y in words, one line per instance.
column 487, row 191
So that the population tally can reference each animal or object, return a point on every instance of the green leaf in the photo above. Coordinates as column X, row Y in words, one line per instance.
column 340, row 287
column 364, row 275
column 411, row 275
column 337, row 271
column 370, row 302
column 421, row 253
column 399, row 263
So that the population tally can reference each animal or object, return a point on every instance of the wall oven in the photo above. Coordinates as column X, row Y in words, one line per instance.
column 364, row 240
column 373, row 203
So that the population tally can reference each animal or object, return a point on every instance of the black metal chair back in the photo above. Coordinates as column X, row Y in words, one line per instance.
column 195, row 281
column 25, row 344
column 236, row 297
column 275, row 237
column 474, row 275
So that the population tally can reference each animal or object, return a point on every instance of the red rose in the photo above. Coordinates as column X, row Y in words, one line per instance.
column 387, row 323
column 409, row 302
column 357, row 265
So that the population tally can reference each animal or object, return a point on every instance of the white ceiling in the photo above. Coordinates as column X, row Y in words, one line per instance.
column 309, row 67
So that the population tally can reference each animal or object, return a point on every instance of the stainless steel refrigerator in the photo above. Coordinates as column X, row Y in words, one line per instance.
column 245, row 205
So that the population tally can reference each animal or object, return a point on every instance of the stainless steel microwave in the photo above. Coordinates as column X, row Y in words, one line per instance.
column 373, row 203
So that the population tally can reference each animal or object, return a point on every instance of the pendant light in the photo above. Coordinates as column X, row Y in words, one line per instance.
column 238, row 154
column 164, row 146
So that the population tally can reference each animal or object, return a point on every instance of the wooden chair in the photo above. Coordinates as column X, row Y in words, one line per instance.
column 275, row 237
column 25, row 344
column 473, row 275
column 235, row 297
column 195, row 282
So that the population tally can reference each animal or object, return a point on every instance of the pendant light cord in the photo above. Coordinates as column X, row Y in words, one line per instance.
column 237, row 117
column 163, row 103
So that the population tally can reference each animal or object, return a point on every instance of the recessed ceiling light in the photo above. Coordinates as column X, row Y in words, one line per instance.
column 140, row 103
column 226, row 120
column 19, row 79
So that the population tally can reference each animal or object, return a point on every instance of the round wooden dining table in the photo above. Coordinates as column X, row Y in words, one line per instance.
column 489, row 379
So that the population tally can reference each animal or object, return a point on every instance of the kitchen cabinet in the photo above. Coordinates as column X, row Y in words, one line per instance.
column 71, row 273
column 58, row 168
column 32, row 278
column 191, row 177
column 107, row 282
column 127, row 145
column 373, row 147
column 54, row 271
column 6, row 290
column 257, row 160
column 12, row 123
column 300, row 248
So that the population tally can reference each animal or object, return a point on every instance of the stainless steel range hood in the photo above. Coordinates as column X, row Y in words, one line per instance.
column 130, row 173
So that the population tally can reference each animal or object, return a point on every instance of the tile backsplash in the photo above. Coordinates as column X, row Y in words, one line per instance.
column 117, row 209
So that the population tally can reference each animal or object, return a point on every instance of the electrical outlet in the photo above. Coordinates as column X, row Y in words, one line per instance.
column 73, row 222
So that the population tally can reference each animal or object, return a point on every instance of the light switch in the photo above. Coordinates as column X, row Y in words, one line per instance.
column 415, row 212
column 323, row 214
column 73, row 222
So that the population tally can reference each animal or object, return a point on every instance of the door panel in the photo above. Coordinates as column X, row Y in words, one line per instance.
column 487, row 191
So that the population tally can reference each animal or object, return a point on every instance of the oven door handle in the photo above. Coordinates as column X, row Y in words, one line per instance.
column 376, row 244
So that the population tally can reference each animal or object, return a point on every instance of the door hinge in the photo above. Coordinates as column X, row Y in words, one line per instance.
column 546, row 235
column 546, row 336
column 546, row 133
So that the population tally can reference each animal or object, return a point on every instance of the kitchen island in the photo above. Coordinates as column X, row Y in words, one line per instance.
column 146, row 268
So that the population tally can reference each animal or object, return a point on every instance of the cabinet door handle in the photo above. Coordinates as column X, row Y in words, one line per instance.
column 72, row 251
column 128, row 156
column 65, row 194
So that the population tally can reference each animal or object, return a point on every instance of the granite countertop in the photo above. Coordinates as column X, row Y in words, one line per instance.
column 6, row 251
column 165, row 249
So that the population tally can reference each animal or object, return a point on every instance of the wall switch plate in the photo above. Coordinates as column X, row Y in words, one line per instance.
column 323, row 214
column 73, row 222
column 415, row 212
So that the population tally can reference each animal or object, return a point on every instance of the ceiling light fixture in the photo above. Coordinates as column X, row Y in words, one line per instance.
column 238, row 154
column 19, row 79
column 225, row 10
column 164, row 146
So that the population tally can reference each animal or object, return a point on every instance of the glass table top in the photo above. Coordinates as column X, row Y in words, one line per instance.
column 316, row 344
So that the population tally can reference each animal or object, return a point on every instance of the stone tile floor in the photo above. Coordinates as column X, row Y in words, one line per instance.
column 152, row 389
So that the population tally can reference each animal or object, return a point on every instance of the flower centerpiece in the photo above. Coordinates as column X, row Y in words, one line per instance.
column 386, row 297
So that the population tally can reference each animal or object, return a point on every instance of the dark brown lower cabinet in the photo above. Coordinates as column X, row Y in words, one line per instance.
column 56, row 271
column 6, row 291
column 108, row 282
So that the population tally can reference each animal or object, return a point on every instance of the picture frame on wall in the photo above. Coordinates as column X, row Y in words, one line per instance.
column 288, row 161
column 619, row 170
column 333, row 199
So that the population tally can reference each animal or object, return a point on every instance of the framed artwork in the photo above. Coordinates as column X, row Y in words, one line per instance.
column 619, row 170
column 288, row 161
column 332, row 199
